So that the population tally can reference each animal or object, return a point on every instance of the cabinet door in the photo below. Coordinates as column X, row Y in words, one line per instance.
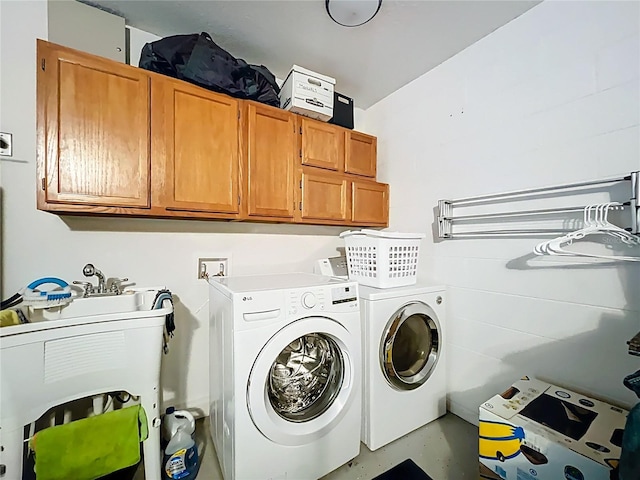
column 93, row 129
column 361, row 154
column 324, row 196
column 322, row 145
column 370, row 203
column 271, row 145
column 196, row 149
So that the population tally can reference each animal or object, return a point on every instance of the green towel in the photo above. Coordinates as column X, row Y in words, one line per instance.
column 92, row 447
column 9, row 318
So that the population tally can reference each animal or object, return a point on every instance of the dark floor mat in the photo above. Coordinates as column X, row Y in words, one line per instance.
column 406, row 470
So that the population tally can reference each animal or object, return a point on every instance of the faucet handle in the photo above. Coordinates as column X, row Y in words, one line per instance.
column 88, row 287
column 116, row 285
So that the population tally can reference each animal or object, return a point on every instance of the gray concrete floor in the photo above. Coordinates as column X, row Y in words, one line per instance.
column 446, row 449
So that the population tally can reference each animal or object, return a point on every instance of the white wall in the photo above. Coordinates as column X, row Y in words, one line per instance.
column 83, row 27
column 137, row 39
column 551, row 97
column 149, row 252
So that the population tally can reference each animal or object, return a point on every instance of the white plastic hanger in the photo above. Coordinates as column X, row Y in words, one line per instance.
column 601, row 224
column 621, row 233
column 596, row 222
column 596, row 225
column 547, row 247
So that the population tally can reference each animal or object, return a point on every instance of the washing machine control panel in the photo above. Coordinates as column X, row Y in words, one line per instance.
column 319, row 299
column 345, row 294
column 305, row 300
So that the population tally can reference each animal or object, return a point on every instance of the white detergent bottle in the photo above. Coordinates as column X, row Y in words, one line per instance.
column 174, row 419
column 180, row 461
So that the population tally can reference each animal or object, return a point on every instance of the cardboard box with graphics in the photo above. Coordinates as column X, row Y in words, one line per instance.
column 539, row 431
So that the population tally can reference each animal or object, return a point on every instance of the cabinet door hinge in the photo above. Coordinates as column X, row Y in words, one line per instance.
column 238, row 114
column 43, row 64
column 300, row 206
column 238, row 199
column 43, row 183
column 300, row 153
column 300, row 183
column 300, row 130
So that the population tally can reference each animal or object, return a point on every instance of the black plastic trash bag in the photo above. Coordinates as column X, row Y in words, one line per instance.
column 196, row 58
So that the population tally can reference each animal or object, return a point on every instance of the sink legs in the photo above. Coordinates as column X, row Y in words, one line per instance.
column 151, row 446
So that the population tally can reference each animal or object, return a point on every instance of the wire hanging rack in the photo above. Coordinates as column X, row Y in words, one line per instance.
column 448, row 220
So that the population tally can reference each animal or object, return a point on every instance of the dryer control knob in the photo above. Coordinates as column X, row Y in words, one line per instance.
column 308, row 300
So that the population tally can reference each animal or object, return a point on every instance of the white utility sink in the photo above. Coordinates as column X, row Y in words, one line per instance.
column 129, row 301
column 89, row 347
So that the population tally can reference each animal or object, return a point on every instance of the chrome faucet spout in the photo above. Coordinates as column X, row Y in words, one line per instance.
column 102, row 288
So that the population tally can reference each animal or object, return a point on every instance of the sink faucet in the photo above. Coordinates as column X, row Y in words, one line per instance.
column 116, row 287
column 89, row 270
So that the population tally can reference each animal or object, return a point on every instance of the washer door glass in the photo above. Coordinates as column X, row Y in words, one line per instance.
column 410, row 346
column 305, row 378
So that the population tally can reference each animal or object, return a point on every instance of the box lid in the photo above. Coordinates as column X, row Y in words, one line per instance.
column 585, row 425
column 511, row 402
column 278, row 281
column 311, row 73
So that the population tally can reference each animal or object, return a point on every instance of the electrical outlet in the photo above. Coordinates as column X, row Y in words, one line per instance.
column 214, row 267
column 6, row 144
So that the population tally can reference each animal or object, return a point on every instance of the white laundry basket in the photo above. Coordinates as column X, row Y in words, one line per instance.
column 382, row 259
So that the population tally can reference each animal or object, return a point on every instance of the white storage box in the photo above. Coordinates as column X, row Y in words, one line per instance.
column 539, row 431
column 382, row 259
column 308, row 93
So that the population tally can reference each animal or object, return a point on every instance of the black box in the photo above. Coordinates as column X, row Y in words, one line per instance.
column 342, row 110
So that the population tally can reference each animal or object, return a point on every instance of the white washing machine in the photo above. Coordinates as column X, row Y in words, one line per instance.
column 404, row 351
column 285, row 366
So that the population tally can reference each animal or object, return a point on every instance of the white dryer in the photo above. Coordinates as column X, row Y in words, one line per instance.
column 285, row 366
column 404, row 385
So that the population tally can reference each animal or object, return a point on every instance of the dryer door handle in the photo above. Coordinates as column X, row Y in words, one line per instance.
column 256, row 316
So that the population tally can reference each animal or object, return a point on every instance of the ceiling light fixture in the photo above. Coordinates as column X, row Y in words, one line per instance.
column 352, row 13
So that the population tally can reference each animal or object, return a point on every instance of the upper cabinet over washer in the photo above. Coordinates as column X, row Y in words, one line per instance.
column 195, row 148
column 322, row 145
column 332, row 147
column 360, row 154
column 270, row 143
column 118, row 140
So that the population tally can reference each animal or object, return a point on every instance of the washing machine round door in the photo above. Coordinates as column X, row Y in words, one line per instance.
column 410, row 346
column 302, row 381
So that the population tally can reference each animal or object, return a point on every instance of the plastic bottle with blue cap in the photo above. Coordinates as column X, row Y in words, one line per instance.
column 180, row 460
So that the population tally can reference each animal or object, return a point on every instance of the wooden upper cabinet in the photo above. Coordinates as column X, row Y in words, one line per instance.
column 116, row 139
column 324, row 196
column 195, row 148
column 271, row 143
column 322, row 144
column 370, row 203
column 360, row 154
column 93, row 130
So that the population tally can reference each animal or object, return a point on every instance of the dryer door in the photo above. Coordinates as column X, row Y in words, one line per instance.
column 302, row 381
column 410, row 346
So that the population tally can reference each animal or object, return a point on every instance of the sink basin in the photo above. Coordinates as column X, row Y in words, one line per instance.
column 128, row 301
